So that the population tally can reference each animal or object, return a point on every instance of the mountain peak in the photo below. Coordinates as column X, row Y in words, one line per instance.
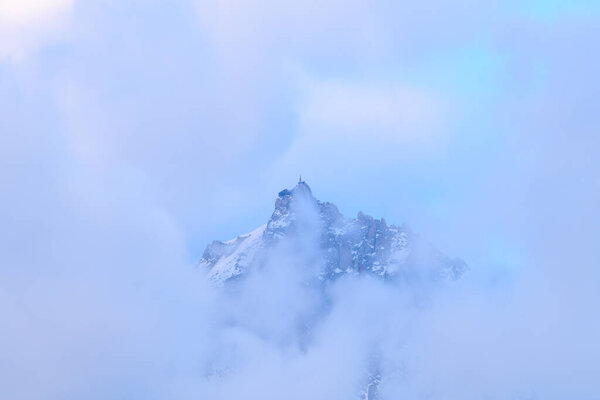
column 301, row 189
column 362, row 245
column 288, row 199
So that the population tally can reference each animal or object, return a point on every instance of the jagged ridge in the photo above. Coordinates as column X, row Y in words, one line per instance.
column 346, row 246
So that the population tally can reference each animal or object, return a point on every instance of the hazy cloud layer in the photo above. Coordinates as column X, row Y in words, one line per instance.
column 25, row 25
column 132, row 133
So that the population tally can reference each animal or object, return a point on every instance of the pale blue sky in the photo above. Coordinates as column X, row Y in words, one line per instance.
column 206, row 109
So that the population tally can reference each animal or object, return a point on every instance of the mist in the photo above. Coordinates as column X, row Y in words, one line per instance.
column 115, row 310
column 134, row 133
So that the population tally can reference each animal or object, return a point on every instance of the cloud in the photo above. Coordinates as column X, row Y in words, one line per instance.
column 29, row 12
column 394, row 114
column 360, row 126
column 25, row 24
column 151, row 131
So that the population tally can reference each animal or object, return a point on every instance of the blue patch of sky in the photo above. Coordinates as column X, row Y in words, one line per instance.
column 552, row 10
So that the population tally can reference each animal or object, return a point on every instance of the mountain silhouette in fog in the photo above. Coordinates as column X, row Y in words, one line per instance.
column 336, row 245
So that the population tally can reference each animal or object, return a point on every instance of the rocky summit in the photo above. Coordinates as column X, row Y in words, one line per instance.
column 340, row 246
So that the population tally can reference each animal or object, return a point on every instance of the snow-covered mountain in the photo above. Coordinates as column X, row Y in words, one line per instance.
column 361, row 245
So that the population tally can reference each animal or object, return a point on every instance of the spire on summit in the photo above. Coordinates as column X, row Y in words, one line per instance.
column 302, row 186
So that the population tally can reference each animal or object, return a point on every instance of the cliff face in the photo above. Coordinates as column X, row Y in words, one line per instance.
column 339, row 246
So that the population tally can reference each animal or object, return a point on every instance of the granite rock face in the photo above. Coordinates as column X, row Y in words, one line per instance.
column 340, row 246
